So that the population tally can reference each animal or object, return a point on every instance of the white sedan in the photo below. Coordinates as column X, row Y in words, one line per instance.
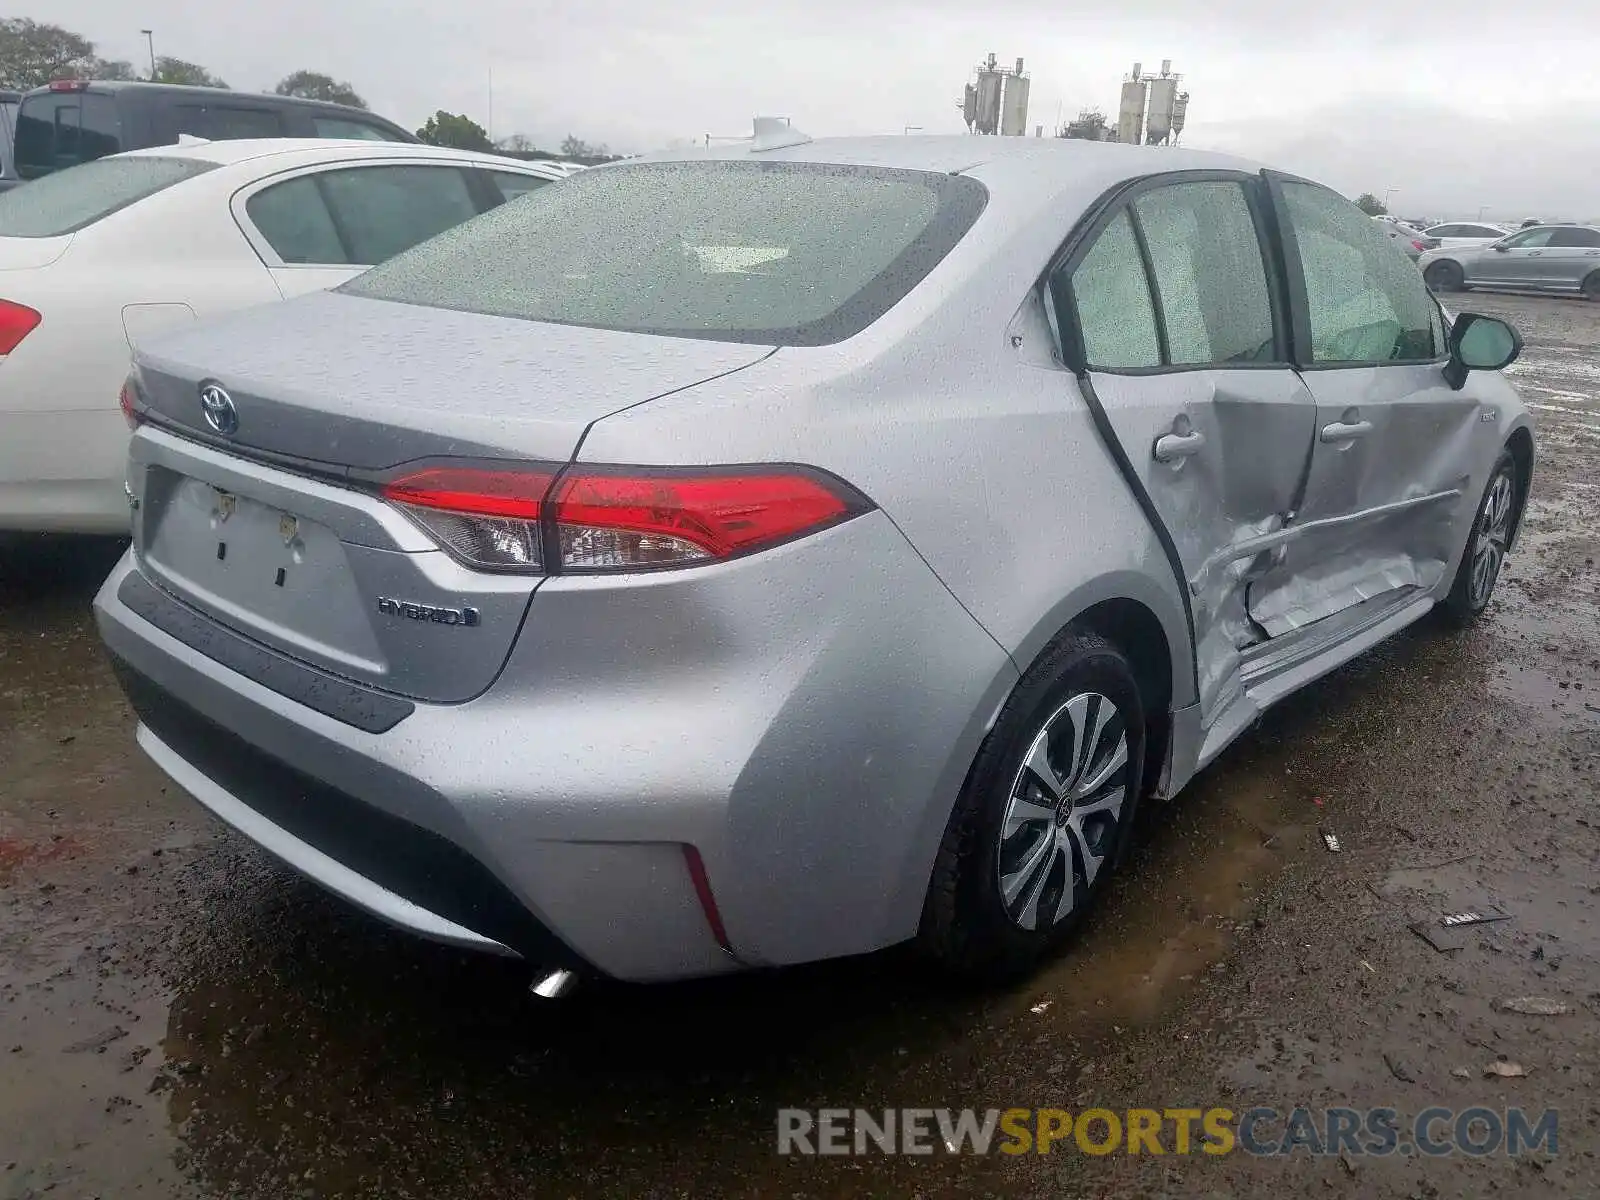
column 96, row 257
column 1453, row 234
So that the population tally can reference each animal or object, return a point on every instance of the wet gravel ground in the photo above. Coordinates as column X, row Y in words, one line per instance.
column 180, row 1017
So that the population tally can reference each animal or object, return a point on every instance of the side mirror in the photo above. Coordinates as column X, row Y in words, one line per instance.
column 1480, row 343
column 1500, row 248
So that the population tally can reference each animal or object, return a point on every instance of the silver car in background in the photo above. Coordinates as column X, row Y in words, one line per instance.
column 772, row 553
column 1406, row 238
column 1559, row 259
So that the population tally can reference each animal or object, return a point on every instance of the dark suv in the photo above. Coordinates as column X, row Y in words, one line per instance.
column 73, row 121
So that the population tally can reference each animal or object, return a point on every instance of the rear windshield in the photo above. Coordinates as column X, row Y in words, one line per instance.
column 778, row 253
column 70, row 200
column 63, row 129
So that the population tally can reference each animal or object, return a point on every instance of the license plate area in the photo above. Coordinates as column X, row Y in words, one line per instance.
column 266, row 571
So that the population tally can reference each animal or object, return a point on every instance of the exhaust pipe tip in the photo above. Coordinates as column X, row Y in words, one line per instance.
column 554, row 985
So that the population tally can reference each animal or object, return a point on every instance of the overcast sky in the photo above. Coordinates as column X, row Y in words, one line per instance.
column 1454, row 107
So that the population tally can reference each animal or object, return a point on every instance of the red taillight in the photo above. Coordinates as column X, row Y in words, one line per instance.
column 69, row 85
column 613, row 521
column 1418, row 245
column 617, row 519
column 17, row 321
column 702, row 891
column 129, row 402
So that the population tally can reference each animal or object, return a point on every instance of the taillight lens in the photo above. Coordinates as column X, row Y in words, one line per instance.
column 486, row 517
column 617, row 519
column 17, row 321
column 129, row 402
column 1418, row 245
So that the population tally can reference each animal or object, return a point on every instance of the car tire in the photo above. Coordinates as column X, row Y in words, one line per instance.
column 1444, row 276
column 1487, row 543
column 1042, row 821
column 1591, row 286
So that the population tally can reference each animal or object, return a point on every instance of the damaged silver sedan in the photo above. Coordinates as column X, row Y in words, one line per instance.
column 777, row 552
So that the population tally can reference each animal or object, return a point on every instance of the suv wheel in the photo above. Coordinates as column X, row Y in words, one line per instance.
column 1486, row 544
column 1591, row 286
column 1044, row 817
column 1444, row 276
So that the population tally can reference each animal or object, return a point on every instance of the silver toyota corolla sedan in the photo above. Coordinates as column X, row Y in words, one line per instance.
column 1564, row 259
column 780, row 552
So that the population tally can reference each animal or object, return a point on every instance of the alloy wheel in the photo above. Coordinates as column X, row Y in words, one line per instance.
column 1062, row 818
column 1493, row 535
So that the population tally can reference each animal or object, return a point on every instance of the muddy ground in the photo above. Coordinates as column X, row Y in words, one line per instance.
column 180, row 1017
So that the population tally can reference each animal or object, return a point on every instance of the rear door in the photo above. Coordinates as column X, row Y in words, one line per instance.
column 1573, row 253
column 1173, row 310
column 222, row 120
column 319, row 227
column 1389, row 461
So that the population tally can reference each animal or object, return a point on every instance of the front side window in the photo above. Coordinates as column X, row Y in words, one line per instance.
column 70, row 200
column 773, row 253
column 295, row 222
column 386, row 210
column 1365, row 303
column 1210, row 277
column 1532, row 239
column 513, row 184
column 1111, row 296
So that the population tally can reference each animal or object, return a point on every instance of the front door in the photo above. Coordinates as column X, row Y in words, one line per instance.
column 1173, row 313
column 1517, row 263
column 1388, row 484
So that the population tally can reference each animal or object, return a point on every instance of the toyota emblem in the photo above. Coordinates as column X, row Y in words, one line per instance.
column 218, row 407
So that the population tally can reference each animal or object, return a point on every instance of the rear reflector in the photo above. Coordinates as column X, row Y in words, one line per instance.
column 17, row 321
column 617, row 519
column 129, row 403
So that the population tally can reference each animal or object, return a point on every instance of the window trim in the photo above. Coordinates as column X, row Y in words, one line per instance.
column 269, row 257
column 1062, row 305
column 1299, row 303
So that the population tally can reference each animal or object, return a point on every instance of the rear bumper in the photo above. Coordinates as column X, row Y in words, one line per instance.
column 803, row 718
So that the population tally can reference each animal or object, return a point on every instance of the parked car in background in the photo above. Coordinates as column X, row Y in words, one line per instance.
column 1404, row 237
column 76, row 121
column 97, row 257
column 1464, row 233
column 1561, row 259
column 610, row 581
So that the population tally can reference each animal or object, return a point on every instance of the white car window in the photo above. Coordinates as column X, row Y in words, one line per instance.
column 513, row 184
column 294, row 220
column 72, row 199
column 385, row 210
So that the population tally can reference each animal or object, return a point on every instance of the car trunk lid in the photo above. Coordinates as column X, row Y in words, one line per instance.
column 278, row 531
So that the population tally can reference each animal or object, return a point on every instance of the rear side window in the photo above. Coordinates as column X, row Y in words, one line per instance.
column 340, row 127
column 226, row 122
column 1588, row 238
column 774, row 253
column 1366, row 303
column 1209, row 273
column 295, row 221
column 386, row 210
column 70, row 200
column 63, row 129
column 1111, row 294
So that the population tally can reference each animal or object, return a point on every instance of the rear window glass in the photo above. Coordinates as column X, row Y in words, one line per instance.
column 63, row 129
column 777, row 253
column 72, row 199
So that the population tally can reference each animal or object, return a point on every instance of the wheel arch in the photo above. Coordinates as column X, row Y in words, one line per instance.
column 1520, row 444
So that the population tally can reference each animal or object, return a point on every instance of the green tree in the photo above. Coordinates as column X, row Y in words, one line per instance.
column 175, row 70
column 116, row 68
column 1370, row 204
column 32, row 53
column 517, row 143
column 456, row 130
column 313, row 85
column 576, row 147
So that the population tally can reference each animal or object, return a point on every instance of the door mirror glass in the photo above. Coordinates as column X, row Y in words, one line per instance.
column 1480, row 343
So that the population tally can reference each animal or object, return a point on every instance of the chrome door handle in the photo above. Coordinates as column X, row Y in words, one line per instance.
column 1346, row 431
column 1172, row 446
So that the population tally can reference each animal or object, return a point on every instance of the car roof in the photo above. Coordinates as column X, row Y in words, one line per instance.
column 1028, row 170
column 229, row 152
column 144, row 86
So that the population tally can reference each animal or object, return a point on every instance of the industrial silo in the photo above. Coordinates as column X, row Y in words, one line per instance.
column 1130, row 113
column 1014, row 108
